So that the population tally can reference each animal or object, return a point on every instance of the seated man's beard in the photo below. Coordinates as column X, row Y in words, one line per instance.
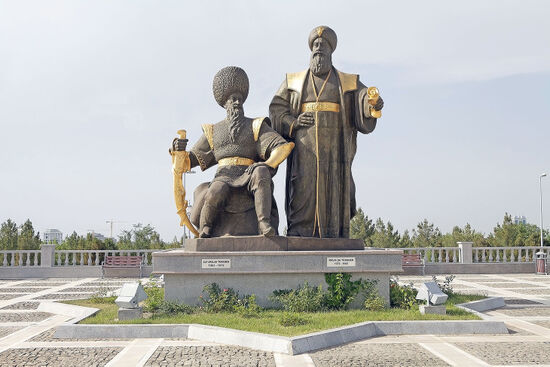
column 320, row 64
column 235, row 116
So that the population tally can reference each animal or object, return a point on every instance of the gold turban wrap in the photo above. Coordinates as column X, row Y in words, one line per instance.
column 326, row 33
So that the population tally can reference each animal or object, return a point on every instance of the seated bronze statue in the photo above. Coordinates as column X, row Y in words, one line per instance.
column 239, row 200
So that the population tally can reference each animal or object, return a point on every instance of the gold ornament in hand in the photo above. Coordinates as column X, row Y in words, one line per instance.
column 373, row 94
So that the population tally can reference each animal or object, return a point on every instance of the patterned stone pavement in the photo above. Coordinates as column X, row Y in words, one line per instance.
column 26, row 333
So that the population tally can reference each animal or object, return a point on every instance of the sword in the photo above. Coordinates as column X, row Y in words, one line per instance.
column 181, row 164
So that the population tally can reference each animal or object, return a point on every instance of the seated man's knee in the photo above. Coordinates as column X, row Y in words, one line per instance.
column 261, row 172
column 217, row 193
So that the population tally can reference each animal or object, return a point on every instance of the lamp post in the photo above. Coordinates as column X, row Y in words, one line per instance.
column 541, row 228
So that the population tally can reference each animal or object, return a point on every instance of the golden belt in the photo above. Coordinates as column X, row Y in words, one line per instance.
column 320, row 107
column 235, row 161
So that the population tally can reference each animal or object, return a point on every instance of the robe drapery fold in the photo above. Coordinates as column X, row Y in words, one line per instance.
column 320, row 191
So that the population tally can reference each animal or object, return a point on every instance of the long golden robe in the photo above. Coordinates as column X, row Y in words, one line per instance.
column 320, row 191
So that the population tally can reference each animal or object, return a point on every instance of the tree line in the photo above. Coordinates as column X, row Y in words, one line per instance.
column 375, row 233
column 24, row 237
column 426, row 234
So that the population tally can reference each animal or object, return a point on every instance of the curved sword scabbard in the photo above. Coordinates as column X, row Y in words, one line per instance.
column 181, row 164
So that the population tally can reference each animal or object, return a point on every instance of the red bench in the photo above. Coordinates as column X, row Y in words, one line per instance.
column 122, row 262
column 413, row 261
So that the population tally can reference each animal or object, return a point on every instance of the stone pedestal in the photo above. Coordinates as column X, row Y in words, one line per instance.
column 129, row 313
column 437, row 310
column 262, row 272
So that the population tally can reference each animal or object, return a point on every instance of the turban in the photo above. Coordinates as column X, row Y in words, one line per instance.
column 326, row 33
column 229, row 80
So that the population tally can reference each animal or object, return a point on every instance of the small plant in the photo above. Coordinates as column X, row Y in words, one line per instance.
column 247, row 307
column 375, row 303
column 101, row 295
column 155, row 295
column 305, row 298
column 168, row 307
column 402, row 296
column 446, row 287
column 293, row 319
column 228, row 300
column 342, row 291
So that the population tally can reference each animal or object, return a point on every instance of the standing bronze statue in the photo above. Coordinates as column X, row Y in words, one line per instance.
column 321, row 110
column 239, row 200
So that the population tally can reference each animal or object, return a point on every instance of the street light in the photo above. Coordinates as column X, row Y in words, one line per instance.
column 541, row 230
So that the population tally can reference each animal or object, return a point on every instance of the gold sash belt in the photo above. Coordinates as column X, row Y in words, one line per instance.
column 235, row 161
column 320, row 107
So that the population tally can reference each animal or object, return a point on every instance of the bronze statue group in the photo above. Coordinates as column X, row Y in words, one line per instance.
column 313, row 122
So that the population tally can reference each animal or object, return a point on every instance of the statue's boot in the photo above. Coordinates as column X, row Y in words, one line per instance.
column 262, row 190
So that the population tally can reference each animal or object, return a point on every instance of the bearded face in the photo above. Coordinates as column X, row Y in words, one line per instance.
column 235, row 115
column 321, row 57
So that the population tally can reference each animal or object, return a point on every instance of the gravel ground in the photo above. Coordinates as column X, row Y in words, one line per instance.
column 527, row 311
column 210, row 356
column 541, row 291
column 4, row 331
column 24, row 316
column 478, row 280
column 376, row 355
column 106, row 283
column 509, row 353
column 41, row 284
column 537, row 279
column 27, row 305
column 543, row 323
column 11, row 296
column 47, row 336
column 511, row 285
column 64, row 296
column 19, row 290
column 57, row 357
column 90, row 289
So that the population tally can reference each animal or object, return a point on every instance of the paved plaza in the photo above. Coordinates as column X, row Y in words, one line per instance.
column 26, row 333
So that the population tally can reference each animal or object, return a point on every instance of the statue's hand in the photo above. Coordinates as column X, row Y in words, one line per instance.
column 305, row 120
column 179, row 144
column 379, row 104
column 253, row 166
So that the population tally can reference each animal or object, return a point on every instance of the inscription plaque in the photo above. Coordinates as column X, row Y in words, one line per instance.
column 216, row 263
column 333, row 262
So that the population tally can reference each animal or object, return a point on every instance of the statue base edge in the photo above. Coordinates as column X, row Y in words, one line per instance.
column 275, row 243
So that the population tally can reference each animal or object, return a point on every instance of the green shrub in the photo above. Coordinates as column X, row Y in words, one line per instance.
column 402, row 296
column 228, row 300
column 155, row 296
column 375, row 303
column 293, row 319
column 169, row 307
column 303, row 299
column 446, row 287
column 342, row 291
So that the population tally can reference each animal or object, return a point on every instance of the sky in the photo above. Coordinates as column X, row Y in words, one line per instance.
column 93, row 92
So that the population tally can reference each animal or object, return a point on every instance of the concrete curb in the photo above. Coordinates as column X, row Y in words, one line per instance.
column 77, row 313
column 486, row 304
column 274, row 343
column 280, row 344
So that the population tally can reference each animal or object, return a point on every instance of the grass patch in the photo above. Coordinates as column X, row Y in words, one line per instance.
column 271, row 321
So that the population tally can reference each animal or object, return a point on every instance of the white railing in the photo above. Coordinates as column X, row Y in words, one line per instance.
column 518, row 254
column 435, row 254
column 97, row 257
column 13, row 258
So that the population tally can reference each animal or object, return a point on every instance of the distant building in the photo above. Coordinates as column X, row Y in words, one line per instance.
column 520, row 220
column 52, row 236
column 96, row 235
